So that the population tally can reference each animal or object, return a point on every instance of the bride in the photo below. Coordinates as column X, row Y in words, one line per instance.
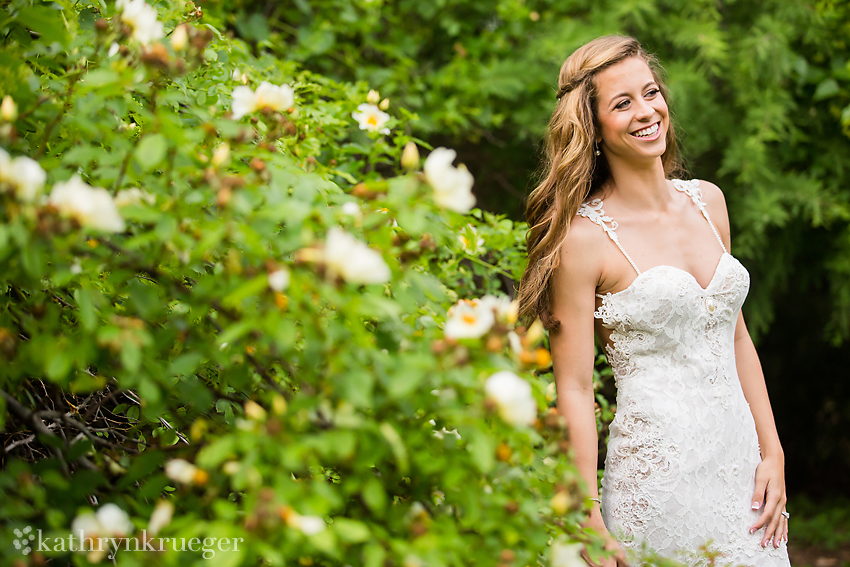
column 620, row 248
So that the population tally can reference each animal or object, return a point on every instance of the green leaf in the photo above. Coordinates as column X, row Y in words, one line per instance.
column 351, row 531
column 397, row 446
column 483, row 450
column 151, row 151
column 826, row 89
column 46, row 21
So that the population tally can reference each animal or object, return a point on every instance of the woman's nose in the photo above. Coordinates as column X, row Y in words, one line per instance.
column 643, row 109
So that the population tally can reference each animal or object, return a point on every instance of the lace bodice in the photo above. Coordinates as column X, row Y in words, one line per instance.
column 683, row 447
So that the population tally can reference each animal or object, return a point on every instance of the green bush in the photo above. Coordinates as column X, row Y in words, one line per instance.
column 222, row 310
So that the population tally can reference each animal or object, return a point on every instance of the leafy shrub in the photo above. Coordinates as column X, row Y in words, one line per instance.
column 232, row 328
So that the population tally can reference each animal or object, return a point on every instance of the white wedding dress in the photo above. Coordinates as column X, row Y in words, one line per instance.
column 683, row 449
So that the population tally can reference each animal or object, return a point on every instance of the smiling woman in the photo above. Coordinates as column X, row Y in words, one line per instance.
column 694, row 461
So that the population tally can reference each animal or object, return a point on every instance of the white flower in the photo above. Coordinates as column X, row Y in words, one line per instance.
column 115, row 520
column 182, row 471
column 309, row 525
column 513, row 398
column 352, row 209
column 505, row 309
column 24, row 175
column 109, row 521
column 515, row 342
column 267, row 95
column 91, row 206
column 161, row 516
column 142, row 20
column 353, row 260
column 371, row 118
column 221, row 155
column 452, row 185
column 279, row 279
column 87, row 526
column 113, row 49
column 468, row 246
column 133, row 196
column 466, row 320
column 566, row 555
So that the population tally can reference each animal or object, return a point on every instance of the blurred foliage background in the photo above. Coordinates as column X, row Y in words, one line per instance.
column 164, row 333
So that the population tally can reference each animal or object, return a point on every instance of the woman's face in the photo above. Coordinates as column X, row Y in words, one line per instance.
column 632, row 114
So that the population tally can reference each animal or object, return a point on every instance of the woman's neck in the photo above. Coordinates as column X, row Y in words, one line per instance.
column 639, row 188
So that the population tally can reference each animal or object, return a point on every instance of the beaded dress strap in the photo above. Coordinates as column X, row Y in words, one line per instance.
column 691, row 188
column 593, row 211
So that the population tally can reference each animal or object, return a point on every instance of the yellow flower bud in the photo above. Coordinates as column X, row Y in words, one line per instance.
column 179, row 38
column 8, row 109
column 385, row 104
column 253, row 410
column 410, row 156
column 373, row 97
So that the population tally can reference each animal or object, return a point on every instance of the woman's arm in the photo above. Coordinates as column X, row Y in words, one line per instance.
column 769, row 495
column 574, row 284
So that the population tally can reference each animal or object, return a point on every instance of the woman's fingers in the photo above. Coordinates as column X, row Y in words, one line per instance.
column 772, row 514
column 769, row 511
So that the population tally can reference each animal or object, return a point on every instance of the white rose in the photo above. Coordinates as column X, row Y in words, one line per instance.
column 87, row 526
column 353, row 260
column 276, row 97
column 505, row 309
column 91, row 206
column 513, row 398
column 309, row 525
column 133, row 196
column 468, row 246
column 279, row 279
column 141, row 18
column 371, row 118
column 566, row 555
column 246, row 101
column 466, row 320
column 115, row 521
column 24, row 175
column 352, row 209
column 161, row 516
column 452, row 185
column 181, row 471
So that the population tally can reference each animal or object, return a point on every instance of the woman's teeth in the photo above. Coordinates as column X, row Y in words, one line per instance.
column 647, row 132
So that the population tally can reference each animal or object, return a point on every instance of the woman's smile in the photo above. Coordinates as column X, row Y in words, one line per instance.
column 649, row 133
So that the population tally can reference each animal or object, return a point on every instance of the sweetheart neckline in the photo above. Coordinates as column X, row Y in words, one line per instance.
column 705, row 289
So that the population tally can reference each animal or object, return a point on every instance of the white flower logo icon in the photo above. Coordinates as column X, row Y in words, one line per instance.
column 23, row 539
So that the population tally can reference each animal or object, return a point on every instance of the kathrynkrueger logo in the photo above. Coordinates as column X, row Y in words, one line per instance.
column 98, row 547
column 23, row 539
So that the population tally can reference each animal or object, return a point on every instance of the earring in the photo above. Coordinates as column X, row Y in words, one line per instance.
column 597, row 149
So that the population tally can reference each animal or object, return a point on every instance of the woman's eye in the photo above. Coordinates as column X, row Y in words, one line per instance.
column 653, row 92
column 622, row 104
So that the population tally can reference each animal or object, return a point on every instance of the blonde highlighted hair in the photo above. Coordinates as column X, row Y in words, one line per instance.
column 571, row 171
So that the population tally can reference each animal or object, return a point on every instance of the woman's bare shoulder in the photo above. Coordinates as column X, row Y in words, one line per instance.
column 581, row 252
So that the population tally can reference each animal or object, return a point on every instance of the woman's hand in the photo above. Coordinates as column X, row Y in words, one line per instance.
column 770, row 497
column 618, row 559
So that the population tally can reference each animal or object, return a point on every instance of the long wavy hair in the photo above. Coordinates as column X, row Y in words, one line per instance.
column 571, row 171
